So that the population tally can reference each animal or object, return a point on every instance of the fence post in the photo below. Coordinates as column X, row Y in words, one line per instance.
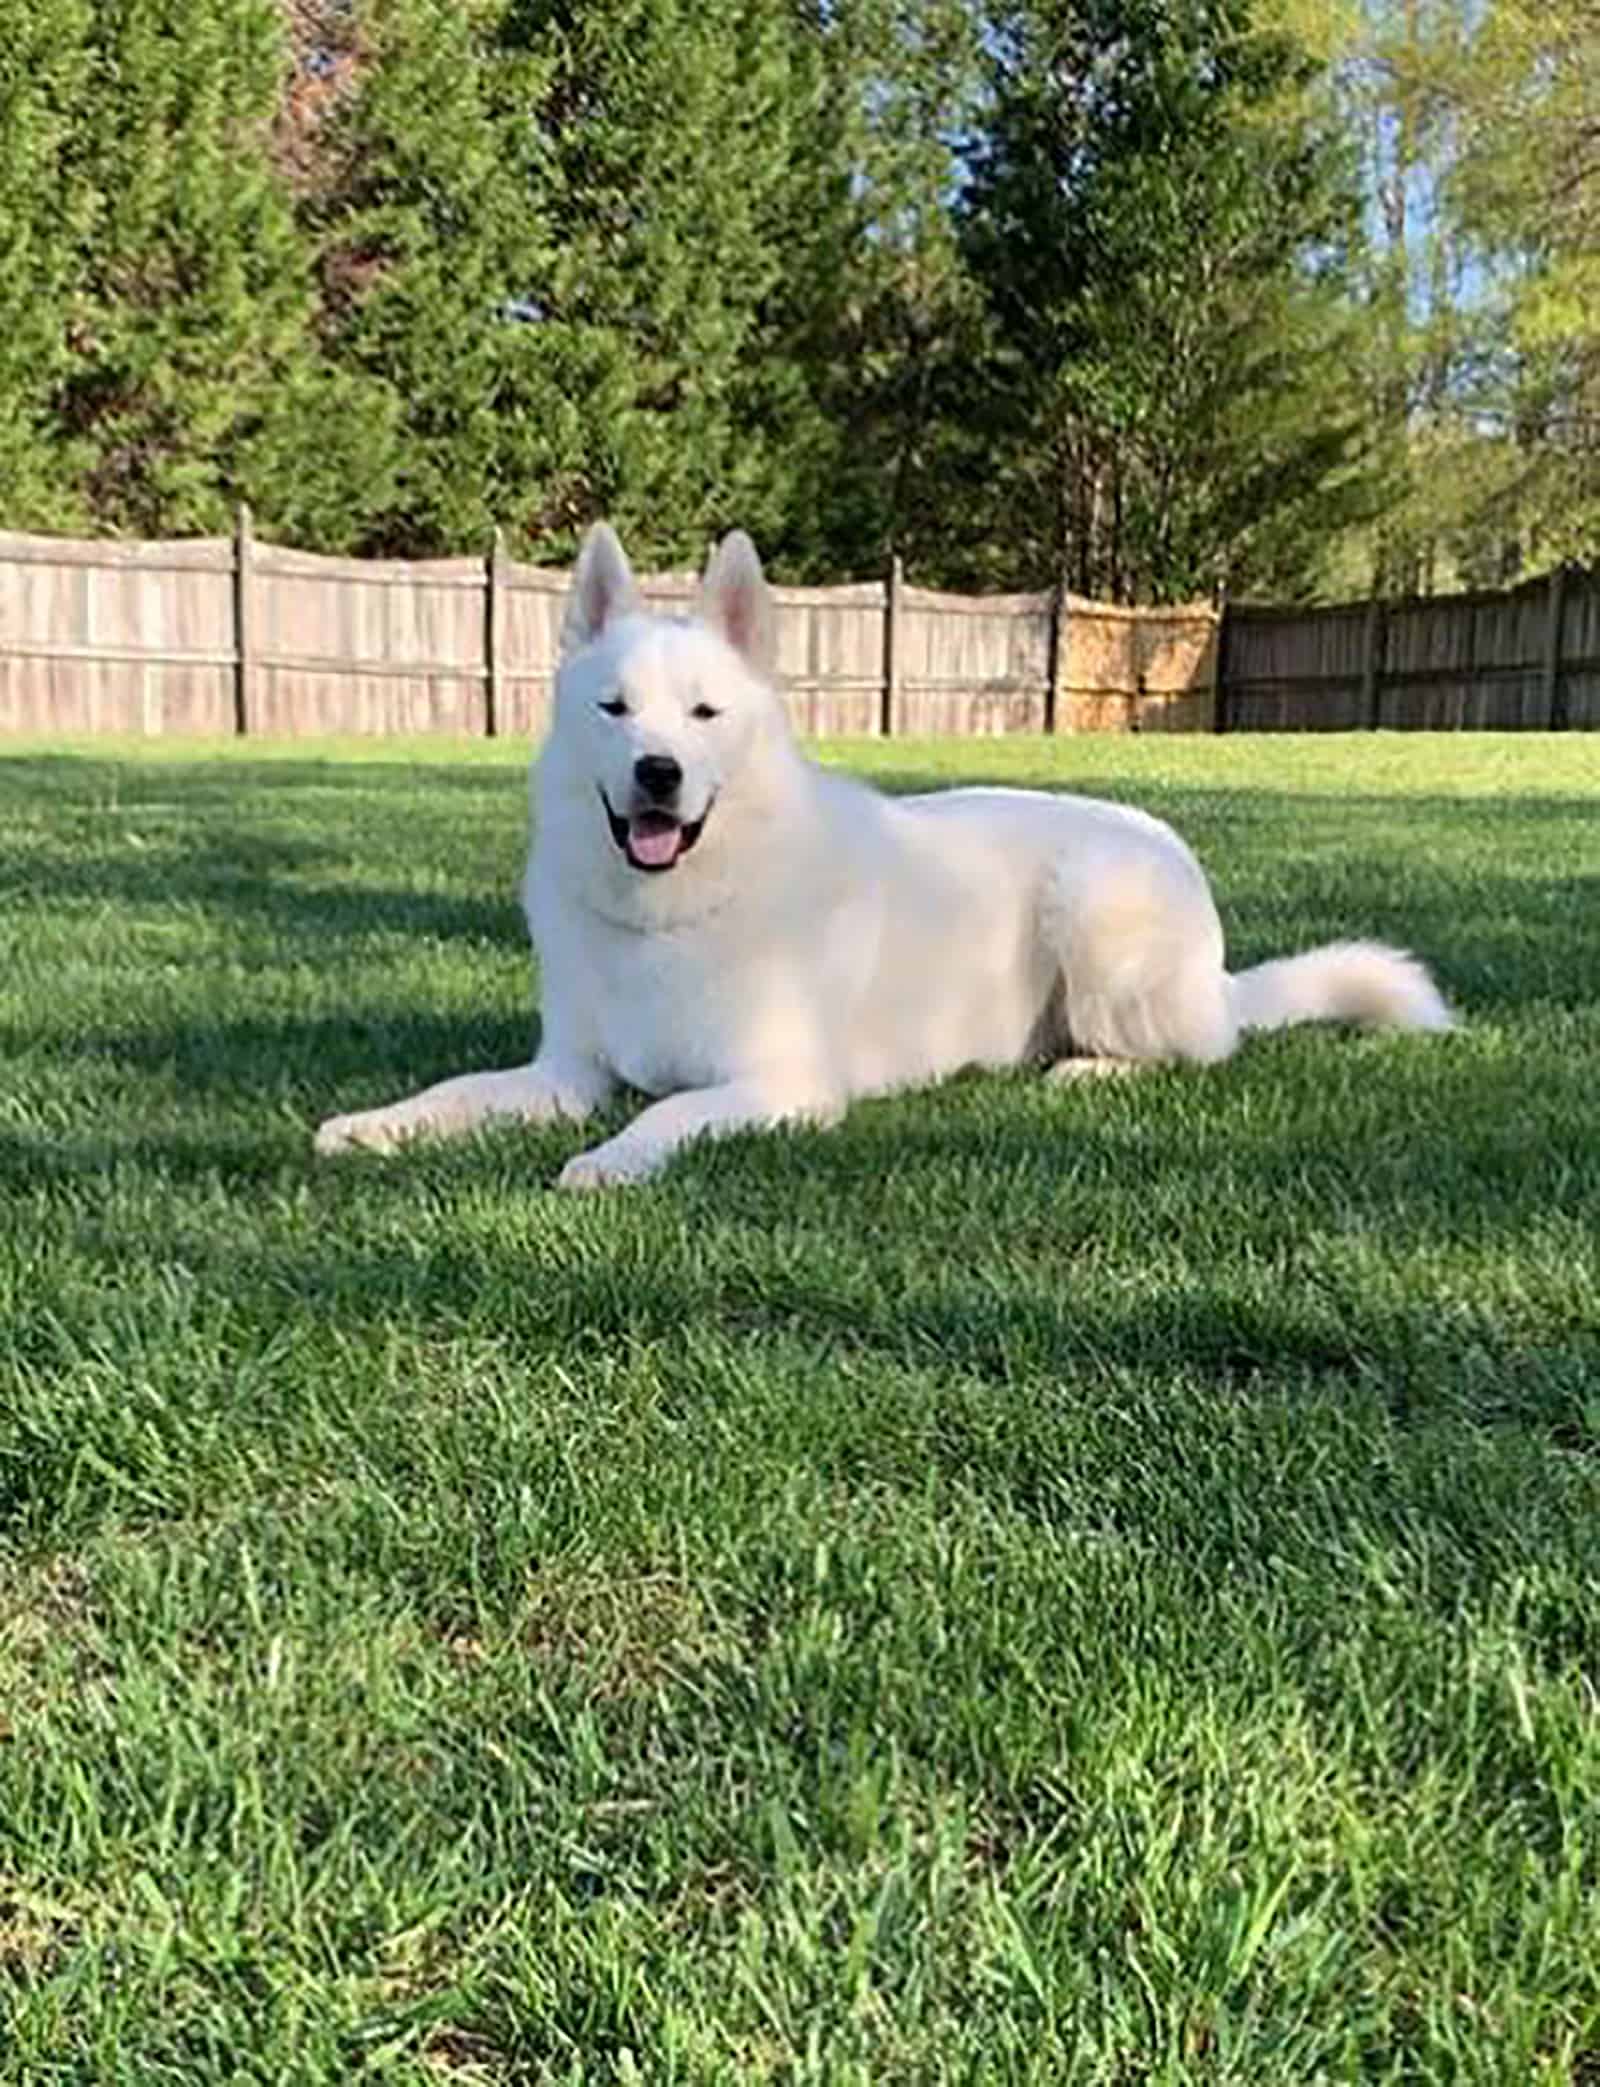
column 493, row 588
column 1372, row 668
column 1555, row 706
column 1057, row 657
column 244, row 621
column 889, row 707
column 1220, row 719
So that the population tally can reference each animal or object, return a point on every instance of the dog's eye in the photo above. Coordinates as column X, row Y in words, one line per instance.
column 614, row 707
column 704, row 711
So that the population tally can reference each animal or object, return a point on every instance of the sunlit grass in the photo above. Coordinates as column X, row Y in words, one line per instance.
column 1034, row 1585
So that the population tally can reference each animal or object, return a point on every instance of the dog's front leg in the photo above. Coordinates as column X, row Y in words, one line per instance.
column 658, row 1132
column 550, row 1087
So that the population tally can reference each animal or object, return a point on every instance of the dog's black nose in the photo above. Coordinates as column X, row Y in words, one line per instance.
column 657, row 775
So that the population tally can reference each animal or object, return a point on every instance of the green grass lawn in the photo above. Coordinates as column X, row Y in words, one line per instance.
column 1088, row 1585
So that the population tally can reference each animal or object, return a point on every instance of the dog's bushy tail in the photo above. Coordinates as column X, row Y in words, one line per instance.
column 1360, row 982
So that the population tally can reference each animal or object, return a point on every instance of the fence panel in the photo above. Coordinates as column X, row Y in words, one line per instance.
column 971, row 666
column 349, row 645
column 1175, row 668
column 1098, row 674
column 1296, row 670
column 114, row 637
column 1523, row 659
column 831, row 657
column 1508, row 687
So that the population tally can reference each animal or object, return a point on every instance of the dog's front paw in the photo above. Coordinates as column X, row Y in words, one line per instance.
column 374, row 1129
column 601, row 1168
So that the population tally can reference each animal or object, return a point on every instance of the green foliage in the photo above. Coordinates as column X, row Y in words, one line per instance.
column 1161, row 221
column 193, row 294
column 43, row 210
column 1479, row 348
column 884, row 318
column 1145, row 297
column 424, row 195
column 1526, row 191
column 666, row 133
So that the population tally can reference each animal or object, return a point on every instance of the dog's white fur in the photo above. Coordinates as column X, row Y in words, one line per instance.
column 821, row 941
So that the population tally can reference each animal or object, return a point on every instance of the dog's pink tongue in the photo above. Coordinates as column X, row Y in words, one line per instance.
column 654, row 841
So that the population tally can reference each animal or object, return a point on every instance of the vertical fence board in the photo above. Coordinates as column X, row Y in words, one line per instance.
column 244, row 623
column 889, row 715
column 1060, row 616
column 1554, row 707
column 494, row 580
column 1580, row 653
column 1372, row 667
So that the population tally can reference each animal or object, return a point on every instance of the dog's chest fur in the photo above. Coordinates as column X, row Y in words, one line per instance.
column 666, row 1017
column 672, row 1009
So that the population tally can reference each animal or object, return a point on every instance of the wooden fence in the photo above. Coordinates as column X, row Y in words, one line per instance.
column 232, row 635
column 219, row 635
column 1527, row 659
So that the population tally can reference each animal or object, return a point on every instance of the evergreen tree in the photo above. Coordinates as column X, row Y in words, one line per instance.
column 422, row 183
column 1021, row 291
column 882, row 314
column 43, row 210
column 191, row 344
column 667, row 130
column 1159, row 220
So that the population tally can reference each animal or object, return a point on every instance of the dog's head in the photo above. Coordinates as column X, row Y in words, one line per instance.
column 659, row 721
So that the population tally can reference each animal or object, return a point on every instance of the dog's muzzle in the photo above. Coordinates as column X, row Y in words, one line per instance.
column 653, row 839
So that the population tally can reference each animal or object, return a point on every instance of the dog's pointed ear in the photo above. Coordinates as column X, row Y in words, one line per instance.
column 737, row 603
column 602, row 590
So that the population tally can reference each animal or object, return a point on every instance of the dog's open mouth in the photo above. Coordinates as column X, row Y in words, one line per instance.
column 653, row 840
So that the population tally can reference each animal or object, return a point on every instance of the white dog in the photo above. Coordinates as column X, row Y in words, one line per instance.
column 751, row 940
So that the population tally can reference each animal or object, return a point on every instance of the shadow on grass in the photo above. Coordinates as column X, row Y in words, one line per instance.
column 1044, row 1183
column 1289, row 870
column 382, row 1056
column 304, row 887
column 1051, row 1391
column 220, row 783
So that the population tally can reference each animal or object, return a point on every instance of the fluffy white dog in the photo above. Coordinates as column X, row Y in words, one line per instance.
column 751, row 940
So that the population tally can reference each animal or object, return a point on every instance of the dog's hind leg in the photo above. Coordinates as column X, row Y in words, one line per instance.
column 1130, row 919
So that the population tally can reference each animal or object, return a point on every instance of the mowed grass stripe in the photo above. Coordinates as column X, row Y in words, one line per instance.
column 1042, row 1585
